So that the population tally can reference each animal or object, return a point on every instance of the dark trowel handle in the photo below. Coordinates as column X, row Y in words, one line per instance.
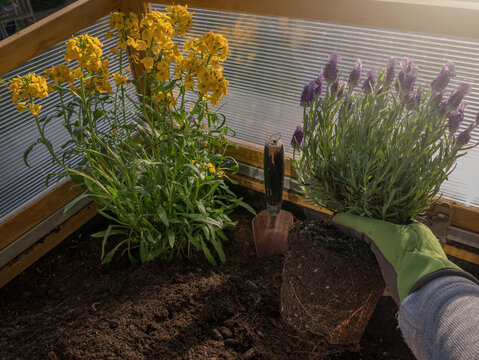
column 274, row 175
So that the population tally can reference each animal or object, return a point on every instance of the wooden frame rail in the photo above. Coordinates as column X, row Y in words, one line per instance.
column 444, row 17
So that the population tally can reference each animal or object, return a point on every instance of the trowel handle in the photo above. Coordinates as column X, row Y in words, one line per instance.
column 274, row 175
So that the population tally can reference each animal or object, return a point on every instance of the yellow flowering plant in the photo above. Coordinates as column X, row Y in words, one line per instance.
column 155, row 163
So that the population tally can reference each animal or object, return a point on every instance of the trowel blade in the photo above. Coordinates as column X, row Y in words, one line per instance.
column 271, row 232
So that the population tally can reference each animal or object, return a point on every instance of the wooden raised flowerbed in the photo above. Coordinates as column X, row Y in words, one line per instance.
column 69, row 306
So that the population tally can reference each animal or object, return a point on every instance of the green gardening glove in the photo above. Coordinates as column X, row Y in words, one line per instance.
column 409, row 256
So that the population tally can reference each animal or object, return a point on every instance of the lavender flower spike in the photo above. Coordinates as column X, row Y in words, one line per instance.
column 455, row 117
column 406, row 65
column 331, row 68
column 319, row 84
column 342, row 86
column 392, row 62
column 437, row 98
column 409, row 81
column 457, row 95
column 464, row 137
column 442, row 79
column 355, row 75
column 307, row 96
column 297, row 138
column 369, row 82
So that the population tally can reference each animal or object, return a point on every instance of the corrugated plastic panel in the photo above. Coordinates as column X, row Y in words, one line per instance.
column 19, row 185
column 272, row 58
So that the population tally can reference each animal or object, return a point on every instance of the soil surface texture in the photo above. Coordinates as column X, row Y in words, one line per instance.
column 69, row 306
column 331, row 282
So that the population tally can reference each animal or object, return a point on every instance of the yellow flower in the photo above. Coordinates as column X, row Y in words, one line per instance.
column 28, row 87
column 119, row 79
column 211, row 168
column 115, row 51
column 121, row 44
column 34, row 109
column 128, row 69
column 180, row 19
column 109, row 35
column 163, row 71
column 192, row 162
column 147, row 62
column 21, row 107
column 203, row 126
column 220, row 173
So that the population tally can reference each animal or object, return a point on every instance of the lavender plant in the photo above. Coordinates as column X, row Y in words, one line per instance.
column 383, row 150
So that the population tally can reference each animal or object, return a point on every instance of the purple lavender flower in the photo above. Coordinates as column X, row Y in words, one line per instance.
column 335, row 86
column 297, row 138
column 437, row 98
column 331, row 68
column 342, row 86
column 355, row 75
column 419, row 94
column 369, row 82
column 457, row 96
column 464, row 136
column 319, row 84
column 411, row 100
column 409, row 81
column 455, row 117
column 442, row 79
column 441, row 108
column 390, row 72
column 307, row 96
column 350, row 105
column 406, row 77
column 406, row 65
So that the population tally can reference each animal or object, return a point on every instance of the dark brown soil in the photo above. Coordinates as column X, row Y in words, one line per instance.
column 68, row 306
column 331, row 283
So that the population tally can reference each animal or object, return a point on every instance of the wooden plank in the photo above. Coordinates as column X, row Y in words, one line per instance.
column 30, row 238
column 251, row 154
column 36, row 212
column 288, row 195
column 461, row 254
column 464, row 217
column 18, row 265
column 444, row 17
column 41, row 36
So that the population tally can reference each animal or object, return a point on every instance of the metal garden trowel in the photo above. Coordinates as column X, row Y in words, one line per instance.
column 271, row 226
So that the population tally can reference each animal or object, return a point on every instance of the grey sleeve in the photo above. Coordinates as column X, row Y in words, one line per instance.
column 441, row 320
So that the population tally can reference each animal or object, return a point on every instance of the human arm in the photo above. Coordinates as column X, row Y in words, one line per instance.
column 439, row 301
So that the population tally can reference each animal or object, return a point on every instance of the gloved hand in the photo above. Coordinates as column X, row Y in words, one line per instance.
column 409, row 256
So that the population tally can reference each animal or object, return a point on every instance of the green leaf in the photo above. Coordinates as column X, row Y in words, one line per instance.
column 143, row 252
column 207, row 253
column 171, row 238
column 98, row 114
column 247, row 207
column 162, row 214
column 111, row 253
column 218, row 248
column 29, row 149
column 74, row 201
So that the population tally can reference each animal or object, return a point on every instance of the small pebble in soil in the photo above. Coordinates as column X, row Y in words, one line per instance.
column 227, row 333
column 249, row 354
column 216, row 334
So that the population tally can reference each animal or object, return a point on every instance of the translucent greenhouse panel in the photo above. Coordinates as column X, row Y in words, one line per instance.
column 20, row 185
column 272, row 58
